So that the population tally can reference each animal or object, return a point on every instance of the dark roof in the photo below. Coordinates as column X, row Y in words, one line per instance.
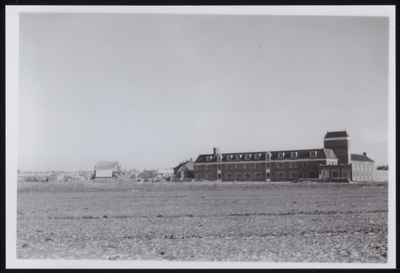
column 356, row 157
column 382, row 168
column 301, row 154
column 336, row 134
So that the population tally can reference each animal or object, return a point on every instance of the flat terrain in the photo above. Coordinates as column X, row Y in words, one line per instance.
column 203, row 221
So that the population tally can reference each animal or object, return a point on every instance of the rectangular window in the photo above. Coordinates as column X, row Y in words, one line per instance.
column 257, row 156
column 206, row 167
column 267, row 156
column 198, row 176
column 238, row 157
column 346, row 173
column 229, row 157
column 281, row 155
column 226, row 166
column 235, row 166
column 293, row 154
column 254, row 165
column 296, row 164
column 304, row 164
column 200, row 168
column 280, row 165
column 305, row 175
column 239, row 175
column 248, row 175
column 293, row 174
column 247, row 157
column 248, row 166
column 290, row 164
column 325, row 173
column 268, row 165
column 313, row 154
column 208, row 158
column 335, row 173
column 240, row 166
column 231, row 166
column 219, row 167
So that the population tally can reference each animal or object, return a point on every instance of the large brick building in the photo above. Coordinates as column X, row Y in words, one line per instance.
column 331, row 162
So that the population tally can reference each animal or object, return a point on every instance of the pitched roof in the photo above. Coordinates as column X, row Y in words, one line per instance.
column 107, row 165
column 336, row 134
column 301, row 154
column 357, row 157
column 188, row 164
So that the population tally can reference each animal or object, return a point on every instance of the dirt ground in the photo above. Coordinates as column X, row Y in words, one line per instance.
column 203, row 221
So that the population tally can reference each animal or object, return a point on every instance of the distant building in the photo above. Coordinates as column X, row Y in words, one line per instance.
column 334, row 161
column 147, row 174
column 106, row 169
column 381, row 174
column 184, row 169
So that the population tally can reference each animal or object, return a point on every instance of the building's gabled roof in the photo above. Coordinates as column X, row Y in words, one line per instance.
column 301, row 154
column 107, row 165
column 188, row 164
column 336, row 134
column 356, row 157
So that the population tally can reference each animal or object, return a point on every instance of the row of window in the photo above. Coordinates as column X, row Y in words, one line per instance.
column 255, row 175
column 362, row 166
column 258, row 156
column 335, row 142
column 335, row 173
column 279, row 165
column 295, row 154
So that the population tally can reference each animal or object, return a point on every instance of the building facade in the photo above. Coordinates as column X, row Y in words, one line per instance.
column 334, row 161
column 184, row 169
column 381, row 174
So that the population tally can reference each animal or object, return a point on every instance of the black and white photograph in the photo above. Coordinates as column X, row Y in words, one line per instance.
column 200, row 137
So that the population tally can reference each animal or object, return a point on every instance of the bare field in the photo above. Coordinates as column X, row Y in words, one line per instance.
column 203, row 221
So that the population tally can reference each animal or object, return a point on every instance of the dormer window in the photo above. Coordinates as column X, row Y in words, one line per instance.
column 238, row 157
column 293, row 154
column 208, row 158
column 247, row 157
column 281, row 155
column 257, row 156
column 229, row 157
column 268, row 156
column 219, row 158
column 313, row 154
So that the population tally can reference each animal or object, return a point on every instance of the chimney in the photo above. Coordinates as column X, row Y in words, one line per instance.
column 191, row 159
column 216, row 151
column 365, row 153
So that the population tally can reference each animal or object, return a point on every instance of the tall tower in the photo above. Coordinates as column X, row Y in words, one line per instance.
column 339, row 143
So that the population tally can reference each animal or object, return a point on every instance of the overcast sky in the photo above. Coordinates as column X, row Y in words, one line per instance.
column 151, row 90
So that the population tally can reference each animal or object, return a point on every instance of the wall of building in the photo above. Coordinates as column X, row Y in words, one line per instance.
column 257, row 171
column 363, row 171
column 336, row 171
column 381, row 175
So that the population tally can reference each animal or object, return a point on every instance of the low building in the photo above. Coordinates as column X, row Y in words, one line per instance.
column 381, row 174
column 184, row 169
